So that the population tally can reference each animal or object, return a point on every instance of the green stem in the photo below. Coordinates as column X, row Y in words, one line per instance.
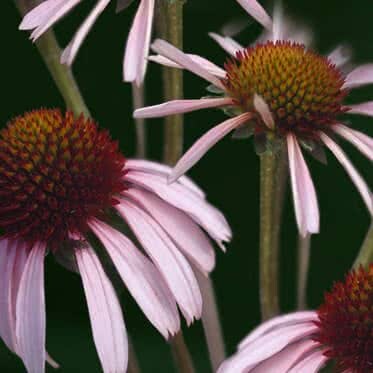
column 268, row 256
column 365, row 256
column 181, row 355
column 138, row 102
column 62, row 75
column 304, row 245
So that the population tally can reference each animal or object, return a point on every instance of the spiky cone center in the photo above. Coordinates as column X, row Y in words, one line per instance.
column 302, row 89
column 346, row 322
column 56, row 172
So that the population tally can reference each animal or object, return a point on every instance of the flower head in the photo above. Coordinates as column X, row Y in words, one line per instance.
column 46, row 14
column 339, row 331
column 62, row 180
column 283, row 93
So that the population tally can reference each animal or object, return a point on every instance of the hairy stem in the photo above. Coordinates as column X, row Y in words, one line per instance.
column 365, row 256
column 304, row 245
column 181, row 354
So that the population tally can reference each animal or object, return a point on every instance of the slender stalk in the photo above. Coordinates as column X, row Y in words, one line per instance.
column 365, row 256
column 304, row 245
column 138, row 102
column 133, row 364
column 181, row 355
column 268, row 256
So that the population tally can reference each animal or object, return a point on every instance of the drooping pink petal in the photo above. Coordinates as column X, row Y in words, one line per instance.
column 30, row 312
column 304, row 194
column 138, row 42
column 180, row 227
column 365, row 108
column 107, row 323
column 227, row 43
column 167, row 258
column 206, row 215
column 180, row 106
column 340, row 55
column 310, row 364
column 285, row 359
column 266, row 347
column 162, row 170
column 279, row 322
column 169, row 51
column 141, row 278
column 205, row 63
column 257, row 12
column 362, row 142
column 359, row 182
column 205, row 143
column 360, row 76
column 72, row 49
column 263, row 109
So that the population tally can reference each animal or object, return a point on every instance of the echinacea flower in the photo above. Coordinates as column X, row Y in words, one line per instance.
column 63, row 180
column 46, row 14
column 283, row 93
column 340, row 331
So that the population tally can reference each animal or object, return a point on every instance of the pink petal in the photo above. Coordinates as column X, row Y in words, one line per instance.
column 263, row 109
column 142, row 279
column 257, row 12
column 71, row 50
column 107, row 323
column 167, row 258
column 360, row 76
column 362, row 142
column 205, row 64
column 168, row 50
column 279, row 322
column 205, row 143
column 180, row 106
column 30, row 312
column 177, row 195
column 365, row 108
column 162, row 170
column 266, row 347
column 311, row 364
column 340, row 55
column 304, row 194
column 350, row 169
column 138, row 42
column 180, row 227
column 227, row 43
column 285, row 359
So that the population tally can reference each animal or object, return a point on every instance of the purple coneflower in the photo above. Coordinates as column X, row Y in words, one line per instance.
column 45, row 15
column 282, row 93
column 61, row 180
column 340, row 331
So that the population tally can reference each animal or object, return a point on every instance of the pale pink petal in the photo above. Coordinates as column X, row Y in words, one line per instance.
column 168, row 50
column 71, row 50
column 350, row 169
column 138, row 42
column 360, row 76
column 304, row 194
column 257, row 12
column 30, row 312
column 310, row 364
column 279, row 322
column 167, row 258
column 365, row 108
column 285, row 359
column 205, row 63
column 266, row 347
column 180, row 227
column 227, row 43
column 107, row 323
column 205, row 143
column 141, row 278
column 206, row 215
column 362, row 142
column 340, row 55
column 162, row 170
column 180, row 106
column 263, row 109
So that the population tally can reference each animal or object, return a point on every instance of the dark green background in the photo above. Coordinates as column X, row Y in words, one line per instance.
column 229, row 172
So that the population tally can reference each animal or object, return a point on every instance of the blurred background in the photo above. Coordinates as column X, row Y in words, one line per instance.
column 229, row 173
